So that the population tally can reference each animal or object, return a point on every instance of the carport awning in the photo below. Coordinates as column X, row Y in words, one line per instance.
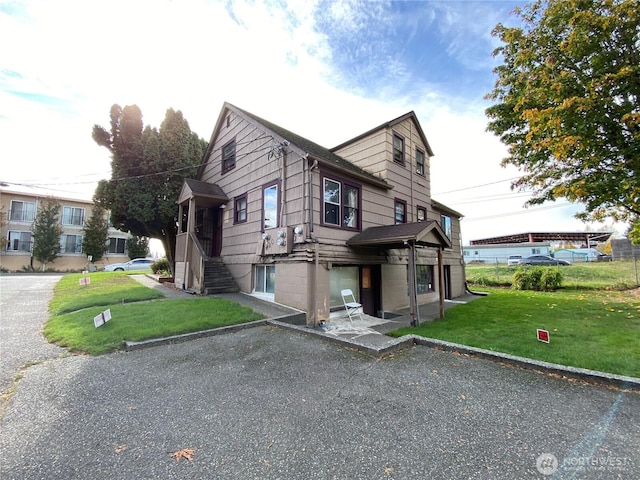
column 428, row 234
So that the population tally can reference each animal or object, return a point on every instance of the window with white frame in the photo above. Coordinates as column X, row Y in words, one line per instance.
column 116, row 245
column 341, row 203
column 22, row 211
column 265, row 279
column 19, row 241
column 70, row 243
column 73, row 216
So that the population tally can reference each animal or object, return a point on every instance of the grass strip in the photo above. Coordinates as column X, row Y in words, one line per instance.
column 597, row 330
column 105, row 288
column 142, row 321
column 618, row 275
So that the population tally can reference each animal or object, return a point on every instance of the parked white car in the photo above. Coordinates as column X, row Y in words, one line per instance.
column 135, row 264
column 513, row 260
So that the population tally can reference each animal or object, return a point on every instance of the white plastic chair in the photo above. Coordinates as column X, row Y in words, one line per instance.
column 350, row 305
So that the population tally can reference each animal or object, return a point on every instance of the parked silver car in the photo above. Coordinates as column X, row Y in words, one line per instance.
column 543, row 260
column 135, row 264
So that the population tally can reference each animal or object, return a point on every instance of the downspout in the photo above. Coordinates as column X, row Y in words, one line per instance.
column 440, row 283
column 311, row 168
column 283, row 185
column 412, row 285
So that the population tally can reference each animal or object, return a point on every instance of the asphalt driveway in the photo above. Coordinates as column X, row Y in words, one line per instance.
column 270, row 402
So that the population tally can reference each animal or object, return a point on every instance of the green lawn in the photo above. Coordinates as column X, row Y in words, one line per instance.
column 598, row 330
column 618, row 275
column 74, row 306
column 105, row 288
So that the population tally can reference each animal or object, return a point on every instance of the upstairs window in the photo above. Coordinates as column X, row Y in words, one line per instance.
column 419, row 162
column 341, row 204
column 240, row 209
column 398, row 149
column 421, row 214
column 73, row 216
column 229, row 156
column 270, row 206
column 400, row 211
column 22, row 211
column 445, row 223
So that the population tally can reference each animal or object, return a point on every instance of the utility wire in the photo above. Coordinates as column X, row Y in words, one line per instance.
column 476, row 186
column 521, row 212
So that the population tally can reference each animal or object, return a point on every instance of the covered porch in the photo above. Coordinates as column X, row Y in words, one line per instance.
column 409, row 236
column 199, row 240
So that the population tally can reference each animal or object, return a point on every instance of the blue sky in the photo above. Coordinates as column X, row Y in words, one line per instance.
column 327, row 70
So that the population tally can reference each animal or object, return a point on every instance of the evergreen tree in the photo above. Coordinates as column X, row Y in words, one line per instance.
column 96, row 235
column 46, row 232
column 137, row 247
column 147, row 172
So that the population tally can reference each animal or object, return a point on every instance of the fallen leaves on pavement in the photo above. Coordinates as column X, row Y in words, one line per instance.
column 184, row 453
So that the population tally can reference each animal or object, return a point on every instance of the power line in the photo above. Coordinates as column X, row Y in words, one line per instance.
column 521, row 212
column 477, row 186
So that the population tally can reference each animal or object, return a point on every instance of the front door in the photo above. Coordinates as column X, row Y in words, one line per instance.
column 370, row 289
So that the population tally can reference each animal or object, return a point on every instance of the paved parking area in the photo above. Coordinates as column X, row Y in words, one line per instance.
column 271, row 402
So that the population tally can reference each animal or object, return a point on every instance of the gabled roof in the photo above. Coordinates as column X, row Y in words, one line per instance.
column 411, row 115
column 323, row 155
column 428, row 234
column 195, row 188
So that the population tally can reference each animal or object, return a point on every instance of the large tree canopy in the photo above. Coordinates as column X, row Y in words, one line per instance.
column 567, row 103
column 148, row 167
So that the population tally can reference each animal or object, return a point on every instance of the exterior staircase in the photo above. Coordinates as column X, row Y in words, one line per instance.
column 217, row 278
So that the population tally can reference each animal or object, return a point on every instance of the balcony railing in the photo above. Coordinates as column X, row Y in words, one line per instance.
column 19, row 246
column 21, row 216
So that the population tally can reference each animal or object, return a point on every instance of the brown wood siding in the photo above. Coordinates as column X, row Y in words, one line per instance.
column 254, row 169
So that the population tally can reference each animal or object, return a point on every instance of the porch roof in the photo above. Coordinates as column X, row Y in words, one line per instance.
column 211, row 192
column 428, row 234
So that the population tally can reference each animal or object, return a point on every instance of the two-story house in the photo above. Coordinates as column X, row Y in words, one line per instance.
column 296, row 223
column 19, row 209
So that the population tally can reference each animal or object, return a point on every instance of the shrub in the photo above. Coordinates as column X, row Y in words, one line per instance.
column 161, row 266
column 551, row 279
column 537, row 278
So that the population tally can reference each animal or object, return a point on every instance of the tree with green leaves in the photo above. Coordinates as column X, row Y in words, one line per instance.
column 46, row 232
column 148, row 168
column 137, row 247
column 566, row 104
column 96, row 235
